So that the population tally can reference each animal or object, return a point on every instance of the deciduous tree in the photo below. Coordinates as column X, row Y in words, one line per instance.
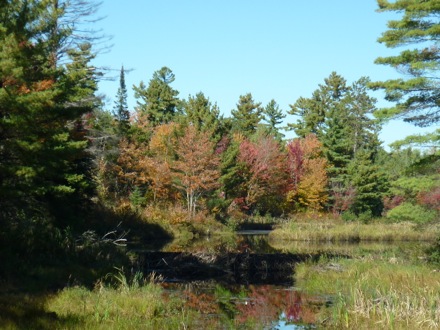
column 308, row 175
column 264, row 173
column 196, row 171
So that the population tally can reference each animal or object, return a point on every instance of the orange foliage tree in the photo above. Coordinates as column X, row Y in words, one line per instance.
column 307, row 173
column 196, row 171
column 146, row 163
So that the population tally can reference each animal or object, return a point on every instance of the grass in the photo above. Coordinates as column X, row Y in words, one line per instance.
column 374, row 292
column 338, row 231
column 134, row 304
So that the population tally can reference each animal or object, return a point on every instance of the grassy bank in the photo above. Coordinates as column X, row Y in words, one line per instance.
column 374, row 292
column 124, row 306
column 333, row 230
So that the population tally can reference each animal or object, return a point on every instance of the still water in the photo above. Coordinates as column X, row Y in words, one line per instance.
column 239, row 283
column 246, row 281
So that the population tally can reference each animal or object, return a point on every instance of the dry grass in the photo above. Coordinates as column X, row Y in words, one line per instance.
column 337, row 231
column 372, row 293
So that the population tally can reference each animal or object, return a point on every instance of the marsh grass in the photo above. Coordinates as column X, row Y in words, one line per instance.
column 374, row 293
column 116, row 302
column 337, row 231
column 126, row 304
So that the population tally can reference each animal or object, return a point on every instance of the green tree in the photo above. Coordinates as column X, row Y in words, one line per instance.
column 47, row 87
column 203, row 115
column 121, row 112
column 417, row 97
column 274, row 116
column 159, row 100
column 247, row 116
column 340, row 116
column 230, row 179
column 370, row 183
column 312, row 112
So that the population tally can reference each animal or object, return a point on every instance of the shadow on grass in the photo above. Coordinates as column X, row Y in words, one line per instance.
column 24, row 311
column 28, row 280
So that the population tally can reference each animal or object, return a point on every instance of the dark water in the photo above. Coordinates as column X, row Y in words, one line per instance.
column 241, row 282
column 246, row 282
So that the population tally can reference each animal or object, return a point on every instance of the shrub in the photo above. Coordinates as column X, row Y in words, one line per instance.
column 411, row 212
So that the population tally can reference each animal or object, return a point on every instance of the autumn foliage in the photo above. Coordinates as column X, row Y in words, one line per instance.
column 308, row 176
column 196, row 170
column 265, row 170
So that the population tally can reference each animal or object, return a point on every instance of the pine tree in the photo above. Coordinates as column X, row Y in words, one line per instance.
column 274, row 116
column 159, row 100
column 247, row 116
column 340, row 116
column 416, row 97
column 312, row 112
column 370, row 184
column 204, row 116
column 47, row 86
column 121, row 111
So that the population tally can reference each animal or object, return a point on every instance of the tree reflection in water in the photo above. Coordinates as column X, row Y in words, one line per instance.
column 254, row 306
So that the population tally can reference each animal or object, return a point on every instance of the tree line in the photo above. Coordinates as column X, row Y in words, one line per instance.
column 62, row 153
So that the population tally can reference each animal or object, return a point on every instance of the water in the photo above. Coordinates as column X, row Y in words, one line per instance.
column 240, row 283
column 246, row 282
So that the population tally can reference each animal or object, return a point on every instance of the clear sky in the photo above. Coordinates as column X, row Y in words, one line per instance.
column 278, row 49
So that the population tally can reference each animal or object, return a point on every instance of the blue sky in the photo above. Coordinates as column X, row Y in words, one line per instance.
column 279, row 49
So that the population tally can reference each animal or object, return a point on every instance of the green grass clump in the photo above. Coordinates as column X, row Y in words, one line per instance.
column 126, row 305
column 122, row 304
column 371, row 293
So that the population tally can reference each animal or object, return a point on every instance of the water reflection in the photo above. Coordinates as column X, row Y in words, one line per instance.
column 249, row 307
column 233, row 290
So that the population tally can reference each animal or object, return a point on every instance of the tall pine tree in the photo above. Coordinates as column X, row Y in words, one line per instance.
column 43, row 162
column 158, row 101
column 121, row 112
column 417, row 97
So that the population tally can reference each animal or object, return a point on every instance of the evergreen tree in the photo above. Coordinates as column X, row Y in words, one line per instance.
column 230, row 168
column 121, row 107
column 312, row 112
column 43, row 163
column 417, row 98
column 274, row 116
column 370, row 183
column 247, row 116
column 159, row 100
column 199, row 112
column 340, row 116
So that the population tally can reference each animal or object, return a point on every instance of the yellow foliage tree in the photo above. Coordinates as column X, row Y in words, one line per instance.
column 308, row 173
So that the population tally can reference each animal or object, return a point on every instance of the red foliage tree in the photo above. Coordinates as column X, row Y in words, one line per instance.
column 266, row 167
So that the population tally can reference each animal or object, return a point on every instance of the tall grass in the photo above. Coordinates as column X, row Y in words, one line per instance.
column 128, row 304
column 370, row 293
column 333, row 231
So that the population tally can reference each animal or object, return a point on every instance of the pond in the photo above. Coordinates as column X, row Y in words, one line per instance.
column 245, row 282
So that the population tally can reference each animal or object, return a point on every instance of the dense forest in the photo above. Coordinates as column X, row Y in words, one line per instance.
column 69, row 166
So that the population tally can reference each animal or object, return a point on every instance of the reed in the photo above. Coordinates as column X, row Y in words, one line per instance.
column 133, row 303
column 374, row 293
column 338, row 231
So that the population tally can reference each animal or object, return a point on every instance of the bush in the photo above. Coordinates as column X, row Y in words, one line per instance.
column 411, row 212
column 434, row 253
column 348, row 216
